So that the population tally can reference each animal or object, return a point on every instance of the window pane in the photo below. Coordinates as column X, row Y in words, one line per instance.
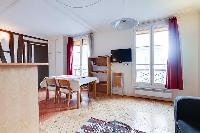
column 160, row 47
column 160, row 55
column 143, row 55
column 143, row 73
column 76, row 60
column 160, row 74
column 143, row 39
column 85, row 55
column 143, row 48
column 80, row 57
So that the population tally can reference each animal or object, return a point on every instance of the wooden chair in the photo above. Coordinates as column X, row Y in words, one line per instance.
column 51, row 86
column 118, row 82
column 64, row 87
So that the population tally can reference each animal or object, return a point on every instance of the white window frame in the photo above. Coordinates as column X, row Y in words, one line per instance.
column 150, row 85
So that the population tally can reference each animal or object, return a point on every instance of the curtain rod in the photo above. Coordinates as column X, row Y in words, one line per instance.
column 156, row 20
column 23, row 35
column 80, row 35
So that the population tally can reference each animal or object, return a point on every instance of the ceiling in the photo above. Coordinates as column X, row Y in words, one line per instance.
column 49, row 18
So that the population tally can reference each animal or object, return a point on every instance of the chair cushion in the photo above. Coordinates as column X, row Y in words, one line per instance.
column 188, row 127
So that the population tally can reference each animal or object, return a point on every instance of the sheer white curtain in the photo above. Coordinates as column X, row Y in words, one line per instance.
column 91, row 43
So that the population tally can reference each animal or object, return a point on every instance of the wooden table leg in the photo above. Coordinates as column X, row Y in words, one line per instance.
column 57, row 95
column 78, row 99
column 95, row 89
column 47, row 94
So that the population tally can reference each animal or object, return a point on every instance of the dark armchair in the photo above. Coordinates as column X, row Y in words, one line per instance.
column 187, row 114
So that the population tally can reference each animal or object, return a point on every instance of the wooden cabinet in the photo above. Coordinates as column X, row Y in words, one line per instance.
column 100, row 67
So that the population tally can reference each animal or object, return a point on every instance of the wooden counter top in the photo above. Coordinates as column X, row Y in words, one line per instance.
column 24, row 64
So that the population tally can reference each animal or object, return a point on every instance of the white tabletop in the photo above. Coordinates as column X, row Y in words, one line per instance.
column 75, row 81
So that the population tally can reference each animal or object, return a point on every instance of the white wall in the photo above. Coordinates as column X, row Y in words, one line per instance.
column 189, row 28
column 108, row 40
column 189, row 24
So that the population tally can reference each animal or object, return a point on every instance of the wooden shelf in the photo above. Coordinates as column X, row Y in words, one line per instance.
column 100, row 65
column 103, row 83
column 98, row 71
column 101, row 61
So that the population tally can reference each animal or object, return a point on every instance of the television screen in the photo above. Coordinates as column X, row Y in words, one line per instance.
column 121, row 55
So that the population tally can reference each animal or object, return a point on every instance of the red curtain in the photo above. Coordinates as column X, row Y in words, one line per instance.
column 70, row 56
column 174, row 68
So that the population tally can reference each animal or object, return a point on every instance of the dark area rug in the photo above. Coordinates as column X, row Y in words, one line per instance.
column 94, row 125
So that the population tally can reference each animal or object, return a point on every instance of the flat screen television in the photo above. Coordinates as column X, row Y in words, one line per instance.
column 121, row 55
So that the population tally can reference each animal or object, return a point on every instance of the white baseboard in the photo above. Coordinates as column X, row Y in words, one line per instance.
column 151, row 93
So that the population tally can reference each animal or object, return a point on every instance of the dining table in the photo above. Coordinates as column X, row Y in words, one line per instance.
column 76, row 82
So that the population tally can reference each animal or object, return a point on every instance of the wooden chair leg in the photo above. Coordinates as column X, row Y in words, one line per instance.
column 78, row 99
column 56, row 96
column 47, row 94
column 88, row 88
column 59, row 99
column 94, row 89
column 68, row 98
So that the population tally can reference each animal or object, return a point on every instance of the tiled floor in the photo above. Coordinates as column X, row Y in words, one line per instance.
column 146, row 115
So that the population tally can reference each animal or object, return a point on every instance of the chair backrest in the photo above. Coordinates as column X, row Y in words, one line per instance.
column 63, row 83
column 50, row 81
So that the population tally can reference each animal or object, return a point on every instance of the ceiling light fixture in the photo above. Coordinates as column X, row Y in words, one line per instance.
column 124, row 23
column 78, row 3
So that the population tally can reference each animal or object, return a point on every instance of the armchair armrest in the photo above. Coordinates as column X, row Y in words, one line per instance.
column 187, row 108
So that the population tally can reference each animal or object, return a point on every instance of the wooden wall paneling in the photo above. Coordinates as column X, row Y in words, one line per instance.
column 2, row 56
column 20, row 49
column 29, row 52
column 11, row 47
column 24, row 53
column 37, row 38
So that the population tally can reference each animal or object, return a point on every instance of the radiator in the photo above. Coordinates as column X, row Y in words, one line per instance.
column 154, row 93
